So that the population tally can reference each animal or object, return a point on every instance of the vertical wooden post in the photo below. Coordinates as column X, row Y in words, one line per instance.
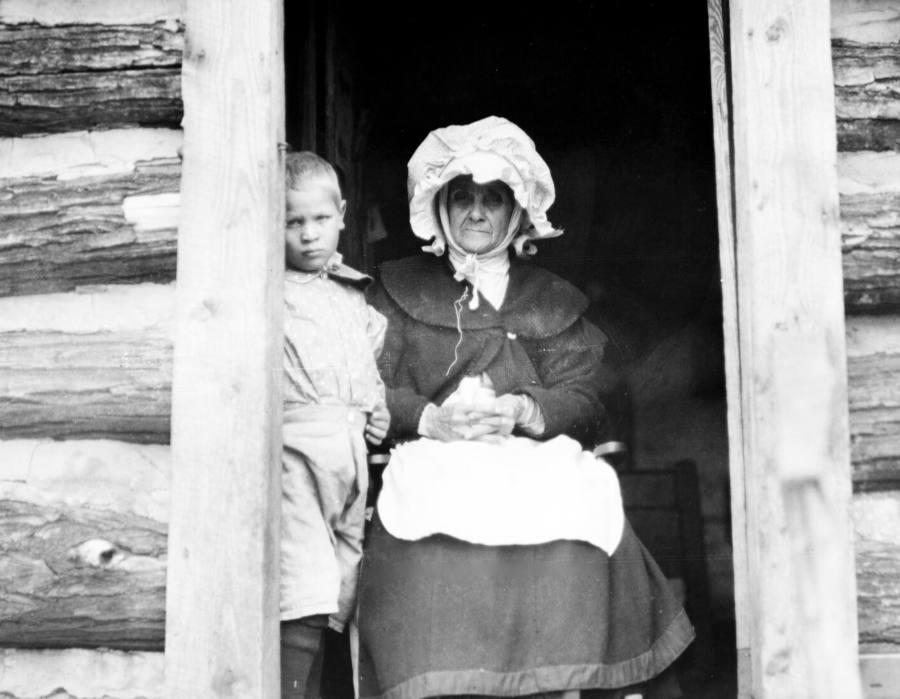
column 790, row 321
column 722, row 134
column 222, row 596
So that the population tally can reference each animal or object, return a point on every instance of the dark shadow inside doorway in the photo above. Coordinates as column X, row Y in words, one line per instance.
column 617, row 99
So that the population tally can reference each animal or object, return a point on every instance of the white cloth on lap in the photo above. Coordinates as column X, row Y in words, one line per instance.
column 520, row 492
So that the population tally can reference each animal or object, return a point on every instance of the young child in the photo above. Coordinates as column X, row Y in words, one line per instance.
column 333, row 398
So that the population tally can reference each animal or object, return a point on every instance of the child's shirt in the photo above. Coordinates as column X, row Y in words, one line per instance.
column 331, row 339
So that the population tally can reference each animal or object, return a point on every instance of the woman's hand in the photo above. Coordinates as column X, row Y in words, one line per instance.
column 485, row 422
column 377, row 425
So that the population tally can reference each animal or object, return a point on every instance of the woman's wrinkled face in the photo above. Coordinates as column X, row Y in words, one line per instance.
column 479, row 213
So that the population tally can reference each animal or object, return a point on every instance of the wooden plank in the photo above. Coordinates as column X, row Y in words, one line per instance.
column 722, row 135
column 222, row 607
column 869, row 186
column 95, row 363
column 83, row 552
column 791, row 330
column 81, row 674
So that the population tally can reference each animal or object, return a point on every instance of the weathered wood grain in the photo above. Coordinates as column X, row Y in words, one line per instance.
column 62, row 102
column 83, row 545
column 869, row 185
column 84, row 75
column 719, row 83
column 878, row 590
column 873, row 362
column 88, row 208
column 81, row 674
column 37, row 50
column 866, row 62
column 59, row 234
column 222, row 605
column 792, row 354
column 108, row 593
column 868, row 134
column 877, row 525
column 867, row 79
column 91, row 364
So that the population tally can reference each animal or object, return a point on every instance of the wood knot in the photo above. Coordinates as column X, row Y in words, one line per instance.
column 776, row 31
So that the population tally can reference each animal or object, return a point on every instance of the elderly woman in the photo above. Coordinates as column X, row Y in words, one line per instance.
column 484, row 349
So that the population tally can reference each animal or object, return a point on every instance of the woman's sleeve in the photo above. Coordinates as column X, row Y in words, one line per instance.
column 575, row 376
column 403, row 402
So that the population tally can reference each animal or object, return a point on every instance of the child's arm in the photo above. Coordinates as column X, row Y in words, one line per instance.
column 377, row 425
column 375, row 329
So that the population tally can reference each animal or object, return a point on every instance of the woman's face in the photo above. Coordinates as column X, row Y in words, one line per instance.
column 479, row 213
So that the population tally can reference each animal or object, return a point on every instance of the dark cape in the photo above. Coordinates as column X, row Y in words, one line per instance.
column 441, row 616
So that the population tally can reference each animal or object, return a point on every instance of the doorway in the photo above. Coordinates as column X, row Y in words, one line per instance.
column 618, row 103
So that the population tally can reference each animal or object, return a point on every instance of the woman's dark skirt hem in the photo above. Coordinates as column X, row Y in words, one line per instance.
column 540, row 680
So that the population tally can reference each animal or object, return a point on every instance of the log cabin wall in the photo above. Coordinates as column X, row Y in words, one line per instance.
column 90, row 112
column 89, row 173
column 866, row 60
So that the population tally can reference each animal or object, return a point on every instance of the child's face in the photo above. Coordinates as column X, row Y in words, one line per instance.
column 312, row 226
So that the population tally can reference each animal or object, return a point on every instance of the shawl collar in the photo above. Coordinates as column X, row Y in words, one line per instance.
column 538, row 304
column 337, row 271
column 350, row 276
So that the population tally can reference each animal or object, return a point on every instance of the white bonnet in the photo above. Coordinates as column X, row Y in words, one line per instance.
column 489, row 149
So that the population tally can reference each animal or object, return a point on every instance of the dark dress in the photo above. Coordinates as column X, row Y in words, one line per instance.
column 441, row 616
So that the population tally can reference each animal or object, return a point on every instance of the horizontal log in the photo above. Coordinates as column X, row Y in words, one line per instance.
column 95, row 363
column 877, row 530
column 866, row 101
column 856, row 65
column 873, row 359
column 63, row 102
column 36, row 50
column 877, row 100
column 870, row 230
column 878, row 596
column 73, row 12
column 81, row 674
column 868, row 134
column 116, row 226
column 83, row 551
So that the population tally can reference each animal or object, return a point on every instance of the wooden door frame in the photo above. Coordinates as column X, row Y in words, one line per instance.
column 222, row 611
column 784, row 324
column 776, row 154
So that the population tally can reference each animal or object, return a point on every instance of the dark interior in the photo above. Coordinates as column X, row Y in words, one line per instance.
column 617, row 99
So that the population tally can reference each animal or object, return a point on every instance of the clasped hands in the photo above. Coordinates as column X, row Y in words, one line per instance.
column 486, row 419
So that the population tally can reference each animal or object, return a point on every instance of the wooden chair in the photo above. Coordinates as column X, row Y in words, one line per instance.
column 663, row 507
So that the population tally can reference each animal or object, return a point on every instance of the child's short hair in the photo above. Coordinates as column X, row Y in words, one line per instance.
column 305, row 167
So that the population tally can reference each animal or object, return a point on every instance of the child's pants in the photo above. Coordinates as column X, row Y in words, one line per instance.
column 302, row 653
column 324, row 484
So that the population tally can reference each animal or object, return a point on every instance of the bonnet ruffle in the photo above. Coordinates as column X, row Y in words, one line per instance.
column 489, row 149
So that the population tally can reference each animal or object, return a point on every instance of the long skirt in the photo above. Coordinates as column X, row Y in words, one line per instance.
column 440, row 616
